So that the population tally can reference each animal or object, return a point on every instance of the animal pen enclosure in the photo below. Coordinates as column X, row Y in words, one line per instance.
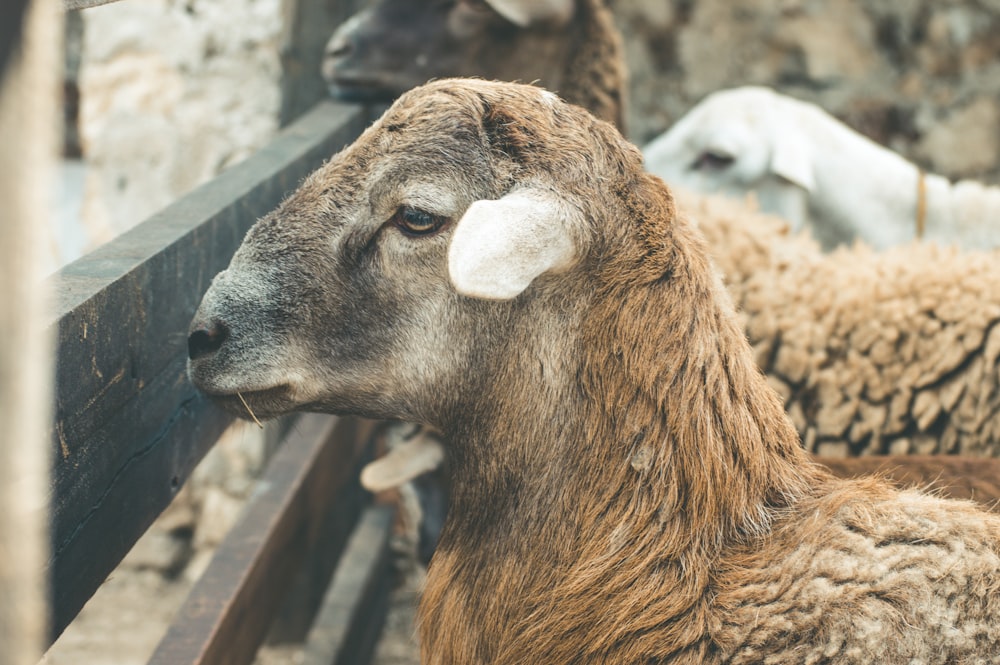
column 128, row 428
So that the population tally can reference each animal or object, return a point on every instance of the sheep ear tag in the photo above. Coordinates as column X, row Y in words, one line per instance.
column 499, row 247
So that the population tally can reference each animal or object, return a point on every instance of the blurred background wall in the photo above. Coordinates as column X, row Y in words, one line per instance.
column 164, row 94
column 921, row 76
column 170, row 92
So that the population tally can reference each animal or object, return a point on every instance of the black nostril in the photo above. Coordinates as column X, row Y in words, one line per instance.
column 207, row 339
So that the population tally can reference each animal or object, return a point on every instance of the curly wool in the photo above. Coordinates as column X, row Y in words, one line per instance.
column 898, row 578
column 872, row 352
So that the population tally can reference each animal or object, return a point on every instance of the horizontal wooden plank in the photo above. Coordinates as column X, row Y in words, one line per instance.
column 353, row 612
column 129, row 427
column 226, row 615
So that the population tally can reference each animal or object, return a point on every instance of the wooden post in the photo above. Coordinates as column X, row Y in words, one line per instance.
column 308, row 26
column 28, row 121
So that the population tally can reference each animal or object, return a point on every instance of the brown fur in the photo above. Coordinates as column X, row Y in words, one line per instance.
column 596, row 76
column 626, row 486
column 881, row 351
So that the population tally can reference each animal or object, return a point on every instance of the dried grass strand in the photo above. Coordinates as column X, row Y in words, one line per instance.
column 249, row 410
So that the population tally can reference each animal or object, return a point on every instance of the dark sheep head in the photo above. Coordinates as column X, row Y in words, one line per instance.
column 396, row 45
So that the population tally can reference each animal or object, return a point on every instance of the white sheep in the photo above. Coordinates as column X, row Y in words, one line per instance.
column 813, row 170
column 627, row 488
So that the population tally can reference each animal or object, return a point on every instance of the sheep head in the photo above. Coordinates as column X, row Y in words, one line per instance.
column 739, row 141
column 396, row 45
column 392, row 282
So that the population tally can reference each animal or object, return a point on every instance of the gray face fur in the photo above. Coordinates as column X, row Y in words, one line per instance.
column 330, row 306
column 314, row 299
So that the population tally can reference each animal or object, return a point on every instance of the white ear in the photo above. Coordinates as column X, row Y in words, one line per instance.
column 499, row 247
column 790, row 160
column 524, row 13
column 402, row 464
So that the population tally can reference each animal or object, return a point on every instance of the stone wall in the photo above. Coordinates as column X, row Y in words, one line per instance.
column 171, row 93
column 921, row 76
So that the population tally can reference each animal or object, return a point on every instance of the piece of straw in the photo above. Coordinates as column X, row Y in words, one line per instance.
column 249, row 410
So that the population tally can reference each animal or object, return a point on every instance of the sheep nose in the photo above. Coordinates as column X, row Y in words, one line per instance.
column 206, row 339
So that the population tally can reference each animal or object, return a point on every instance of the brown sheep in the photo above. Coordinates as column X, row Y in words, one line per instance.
column 398, row 44
column 627, row 488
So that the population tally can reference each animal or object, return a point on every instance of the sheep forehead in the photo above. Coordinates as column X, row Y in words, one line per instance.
column 468, row 98
column 412, row 145
column 450, row 123
column 730, row 115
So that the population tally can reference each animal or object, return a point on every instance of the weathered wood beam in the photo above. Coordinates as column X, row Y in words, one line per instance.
column 308, row 26
column 69, row 5
column 226, row 615
column 351, row 618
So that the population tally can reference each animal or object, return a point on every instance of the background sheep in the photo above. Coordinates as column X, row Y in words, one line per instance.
column 384, row 50
column 627, row 488
column 875, row 352
column 568, row 46
column 811, row 169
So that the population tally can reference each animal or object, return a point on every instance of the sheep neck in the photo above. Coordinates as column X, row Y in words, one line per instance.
column 886, row 189
column 958, row 212
column 885, row 195
column 667, row 449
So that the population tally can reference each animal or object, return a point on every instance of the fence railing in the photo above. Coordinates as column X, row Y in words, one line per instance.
column 129, row 428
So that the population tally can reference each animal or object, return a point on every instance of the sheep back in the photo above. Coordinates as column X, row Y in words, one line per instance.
column 873, row 352
column 896, row 577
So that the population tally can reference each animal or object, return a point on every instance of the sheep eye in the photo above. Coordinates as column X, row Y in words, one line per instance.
column 414, row 223
column 712, row 161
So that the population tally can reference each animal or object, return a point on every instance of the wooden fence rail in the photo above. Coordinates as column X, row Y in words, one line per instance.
column 129, row 427
column 308, row 495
